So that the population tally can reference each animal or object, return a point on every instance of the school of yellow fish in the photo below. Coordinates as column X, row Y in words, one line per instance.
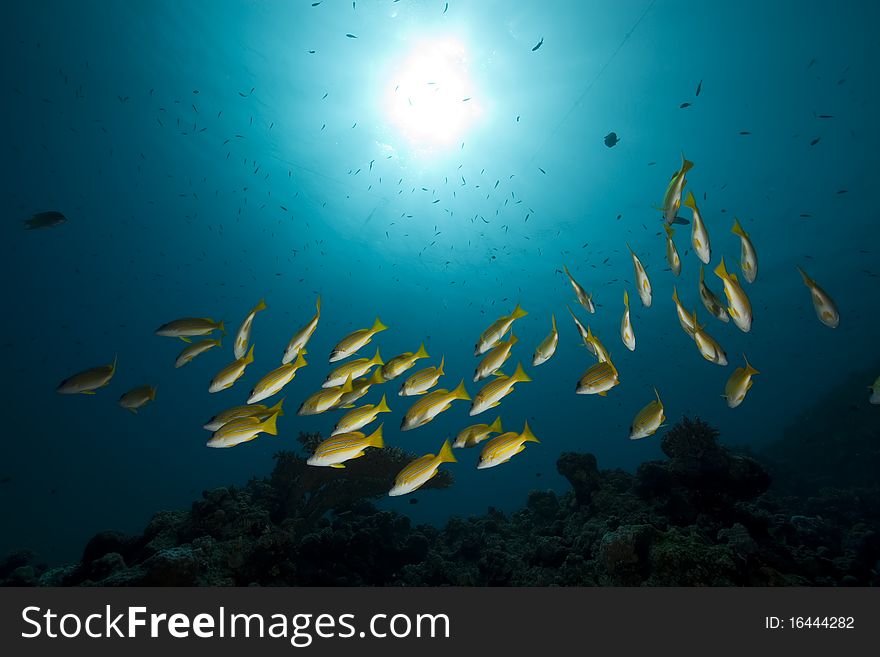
column 351, row 380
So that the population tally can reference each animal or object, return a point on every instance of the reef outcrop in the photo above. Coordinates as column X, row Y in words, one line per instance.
column 706, row 515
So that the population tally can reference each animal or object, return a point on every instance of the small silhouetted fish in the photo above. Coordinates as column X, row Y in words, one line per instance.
column 826, row 116
column 699, row 88
column 351, row 36
column 537, row 474
column 744, row 132
column 444, row 11
column 810, row 65
column 804, row 214
column 44, row 220
column 611, row 139
column 815, row 141
column 5, row 480
column 312, row 52
column 683, row 105
column 650, row 164
column 538, row 45
column 542, row 171
column 413, row 500
column 841, row 191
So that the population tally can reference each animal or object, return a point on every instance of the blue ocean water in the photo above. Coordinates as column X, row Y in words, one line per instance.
column 211, row 154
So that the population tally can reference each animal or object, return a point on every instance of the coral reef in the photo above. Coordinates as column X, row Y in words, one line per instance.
column 704, row 516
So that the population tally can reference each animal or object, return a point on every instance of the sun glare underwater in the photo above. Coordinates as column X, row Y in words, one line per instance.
column 440, row 250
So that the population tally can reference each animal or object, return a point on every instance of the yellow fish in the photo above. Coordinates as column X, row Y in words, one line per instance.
column 417, row 473
column 137, row 397
column 354, row 341
column 738, row 305
column 358, row 418
column 739, row 384
column 748, row 259
column 400, row 364
column 191, row 351
column 826, row 309
column 875, row 392
column 504, row 447
column 596, row 346
column 354, row 369
column 254, row 410
column 672, row 197
column 699, row 233
column 648, row 420
column 708, row 346
column 711, row 301
column 231, row 373
column 686, row 321
column 598, row 379
column 431, row 405
column 300, row 338
column 586, row 300
column 359, row 388
column 643, row 284
column 584, row 333
column 672, row 257
column 275, row 380
column 243, row 429
column 188, row 327
column 422, row 381
column 545, row 350
column 242, row 338
column 477, row 433
column 344, row 447
column 494, row 391
column 496, row 357
column 626, row 329
column 325, row 399
column 497, row 330
column 87, row 381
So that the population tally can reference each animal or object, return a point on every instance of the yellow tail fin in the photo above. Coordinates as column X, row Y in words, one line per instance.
column 675, row 294
column 442, row 362
column 113, row 366
column 276, row 409
column 269, row 425
column 721, row 270
column 375, row 438
column 446, row 455
column 520, row 374
column 527, row 434
column 513, row 339
column 518, row 312
column 460, row 392
column 658, row 396
column 221, row 327
column 260, row 306
column 495, row 427
column 377, row 377
column 553, row 321
column 738, row 229
column 300, row 360
column 347, row 387
column 382, row 407
column 626, row 298
column 749, row 369
column 686, row 164
column 377, row 359
column 670, row 231
column 690, row 201
column 421, row 353
column 318, row 306
column 153, row 390
column 249, row 358
column 807, row 280
column 378, row 326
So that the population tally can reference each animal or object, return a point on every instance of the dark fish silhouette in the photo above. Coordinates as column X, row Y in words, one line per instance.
column 744, row 132
column 44, row 220
column 683, row 105
column 351, row 36
column 815, row 141
column 611, row 139
column 538, row 45
column 699, row 88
